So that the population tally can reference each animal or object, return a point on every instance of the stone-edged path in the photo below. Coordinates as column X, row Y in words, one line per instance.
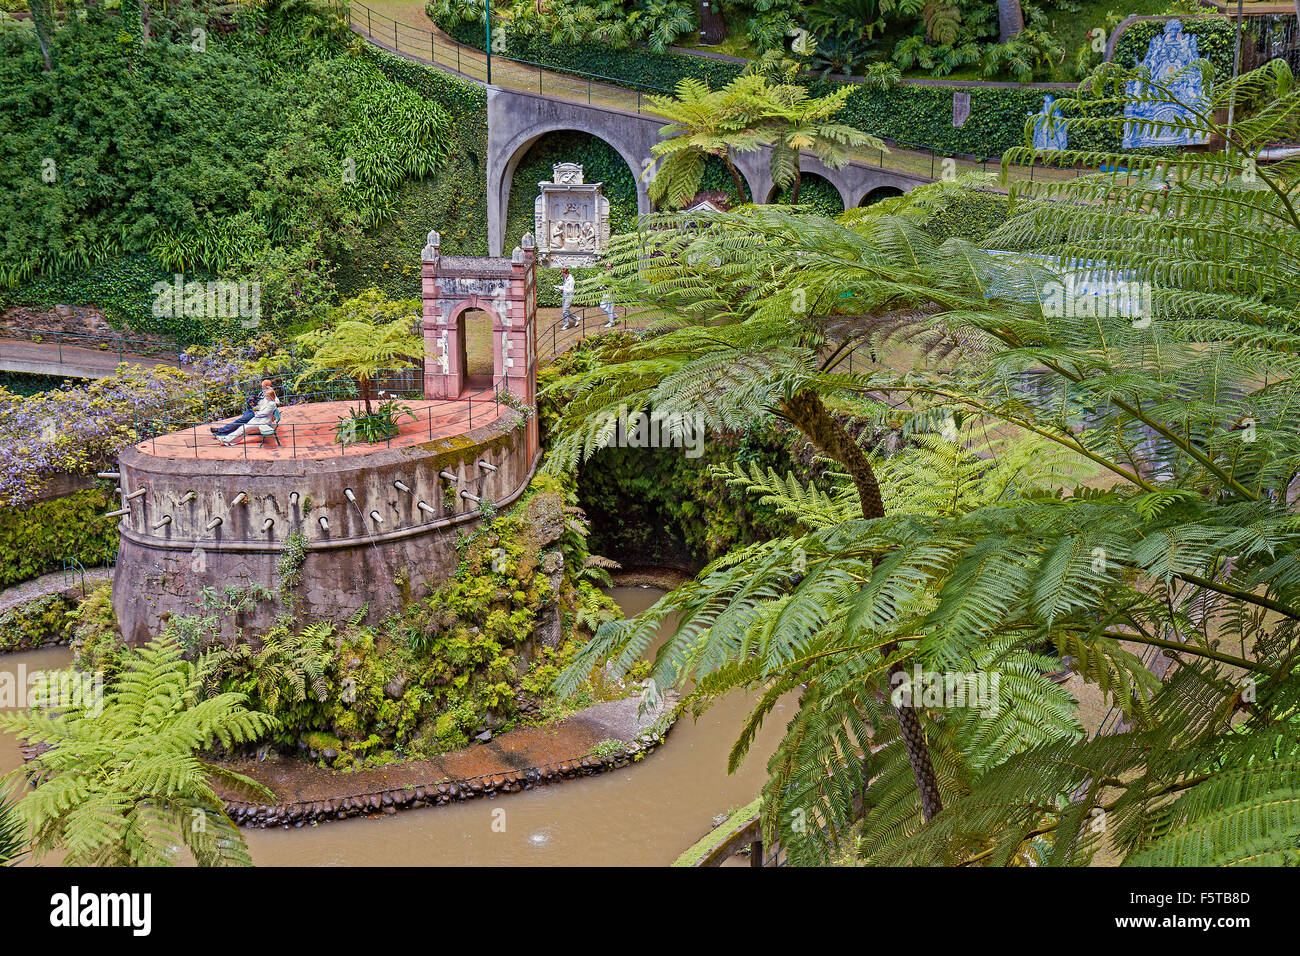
column 56, row 582
column 73, row 361
column 522, row 759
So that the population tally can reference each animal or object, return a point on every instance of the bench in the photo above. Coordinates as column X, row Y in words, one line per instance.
column 268, row 431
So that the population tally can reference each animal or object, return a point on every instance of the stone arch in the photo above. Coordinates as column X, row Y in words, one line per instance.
column 819, row 184
column 475, row 336
column 878, row 193
column 512, row 132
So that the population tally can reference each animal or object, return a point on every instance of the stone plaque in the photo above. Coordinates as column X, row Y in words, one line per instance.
column 960, row 108
column 571, row 219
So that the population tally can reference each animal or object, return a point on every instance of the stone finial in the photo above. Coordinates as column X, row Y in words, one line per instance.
column 528, row 242
column 517, row 257
column 431, row 246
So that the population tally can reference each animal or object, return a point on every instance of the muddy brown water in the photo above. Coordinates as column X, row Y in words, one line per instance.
column 645, row 814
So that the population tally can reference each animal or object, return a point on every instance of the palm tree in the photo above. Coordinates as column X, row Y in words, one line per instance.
column 705, row 123
column 1011, row 19
column 1183, row 395
column 46, row 23
column 799, row 122
column 121, row 784
column 363, row 336
column 744, row 296
column 13, row 834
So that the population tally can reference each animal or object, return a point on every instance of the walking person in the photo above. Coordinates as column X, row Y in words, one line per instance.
column 565, row 289
column 607, row 302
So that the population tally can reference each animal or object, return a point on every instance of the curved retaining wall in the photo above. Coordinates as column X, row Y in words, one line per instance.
column 352, row 560
column 299, row 814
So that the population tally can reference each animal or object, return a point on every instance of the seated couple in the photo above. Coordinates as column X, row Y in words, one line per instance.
column 253, row 419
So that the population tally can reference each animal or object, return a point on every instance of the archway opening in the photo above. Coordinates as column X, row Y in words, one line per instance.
column 815, row 191
column 600, row 163
column 477, row 356
column 879, row 193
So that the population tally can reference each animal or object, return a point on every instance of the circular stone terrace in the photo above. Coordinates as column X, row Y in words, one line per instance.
column 309, row 430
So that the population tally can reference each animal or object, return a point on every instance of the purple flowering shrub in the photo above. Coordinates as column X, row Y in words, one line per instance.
column 80, row 430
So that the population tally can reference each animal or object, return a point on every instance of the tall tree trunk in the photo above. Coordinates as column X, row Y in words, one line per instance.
column 806, row 411
column 735, row 178
column 43, row 20
column 1011, row 19
column 364, row 383
column 713, row 29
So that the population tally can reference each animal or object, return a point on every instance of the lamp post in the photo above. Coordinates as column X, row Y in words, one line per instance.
column 1236, row 68
column 487, row 45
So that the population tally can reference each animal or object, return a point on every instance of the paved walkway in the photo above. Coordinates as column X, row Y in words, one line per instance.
column 74, row 361
column 54, row 583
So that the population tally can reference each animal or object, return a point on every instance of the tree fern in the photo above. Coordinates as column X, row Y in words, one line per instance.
column 125, row 786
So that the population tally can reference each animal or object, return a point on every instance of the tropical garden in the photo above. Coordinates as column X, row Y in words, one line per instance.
column 924, row 469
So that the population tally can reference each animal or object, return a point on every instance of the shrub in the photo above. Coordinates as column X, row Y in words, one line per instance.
column 35, row 539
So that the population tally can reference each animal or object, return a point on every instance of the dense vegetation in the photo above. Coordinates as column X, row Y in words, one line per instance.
column 257, row 157
column 982, row 546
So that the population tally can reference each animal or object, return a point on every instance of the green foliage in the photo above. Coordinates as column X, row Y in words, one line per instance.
column 123, row 786
column 363, row 336
column 44, row 620
column 281, row 112
column 97, row 646
column 922, row 115
column 13, row 834
column 35, row 539
column 980, row 561
column 293, row 555
column 371, row 428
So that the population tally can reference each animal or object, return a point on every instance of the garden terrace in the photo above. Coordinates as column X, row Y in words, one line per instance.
column 310, row 430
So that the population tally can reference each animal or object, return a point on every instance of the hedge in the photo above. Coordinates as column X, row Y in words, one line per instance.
column 37, row 623
column 922, row 115
column 36, row 539
column 1215, row 41
column 454, row 201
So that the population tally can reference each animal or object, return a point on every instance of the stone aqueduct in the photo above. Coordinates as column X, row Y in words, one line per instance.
column 516, row 120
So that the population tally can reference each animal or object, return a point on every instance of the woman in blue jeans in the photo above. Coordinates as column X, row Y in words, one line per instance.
column 250, row 409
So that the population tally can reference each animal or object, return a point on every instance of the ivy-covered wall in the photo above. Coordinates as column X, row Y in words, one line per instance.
column 36, row 539
column 453, row 201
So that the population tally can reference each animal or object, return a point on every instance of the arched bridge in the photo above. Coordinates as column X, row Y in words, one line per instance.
column 517, row 119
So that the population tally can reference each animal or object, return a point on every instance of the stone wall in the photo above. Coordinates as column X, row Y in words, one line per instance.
column 377, row 549
column 438, row 794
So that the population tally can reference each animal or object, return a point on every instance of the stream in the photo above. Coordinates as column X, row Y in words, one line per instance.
column 643, row 815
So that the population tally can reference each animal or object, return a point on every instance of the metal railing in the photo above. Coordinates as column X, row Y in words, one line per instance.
column 302, row 437
column 607, row 92
column 436, row 48
column 124, row 346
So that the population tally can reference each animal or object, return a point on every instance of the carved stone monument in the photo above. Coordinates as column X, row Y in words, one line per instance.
column 1168, row 57
column 1049, row 126
column 571, row 219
